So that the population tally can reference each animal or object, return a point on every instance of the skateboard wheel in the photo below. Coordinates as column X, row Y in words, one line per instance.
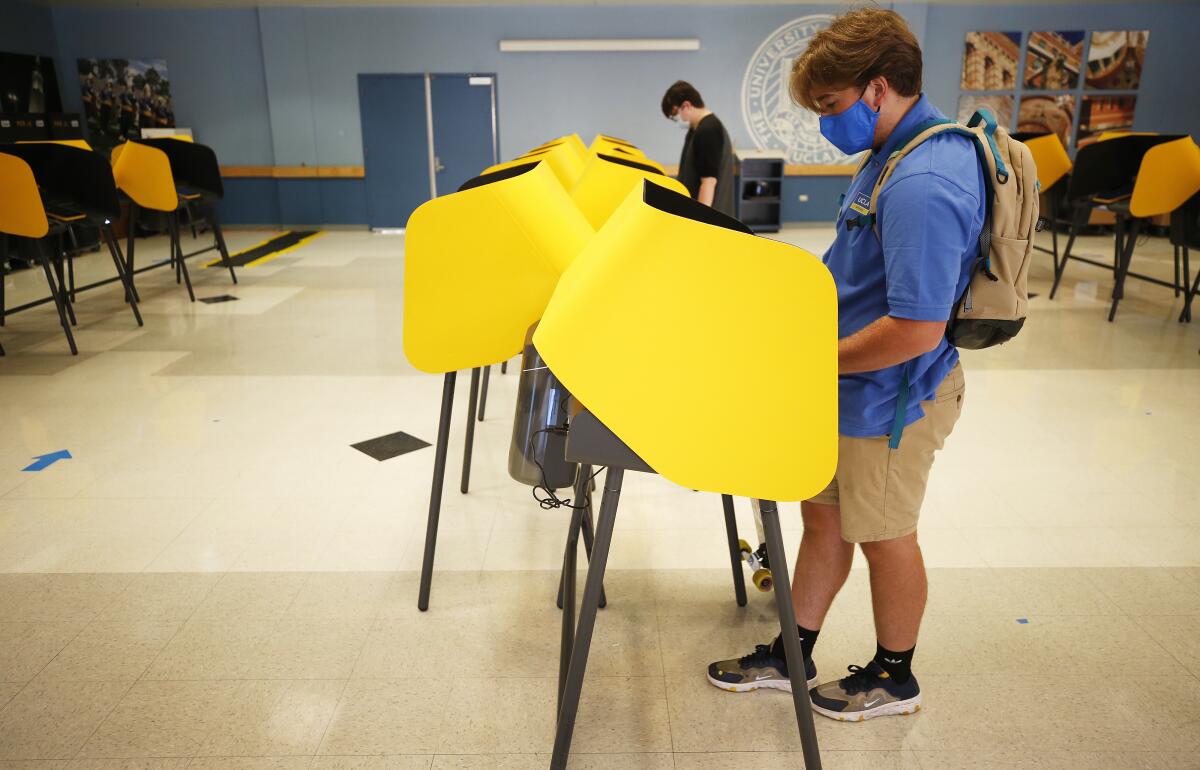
column 744, row 547
column 762, row 580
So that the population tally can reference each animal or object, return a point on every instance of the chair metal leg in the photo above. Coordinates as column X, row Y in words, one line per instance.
column 791, row 638
column 1129, row 240
column 487, row 375
column 180, row 262
column 119, row 264
column 435, row 493
column 566, row 583
column 219, row 237
column 56, row 292
column 1054, row 230
column 466, row 469
column 70, row 256
column 573, row 687
column 735, row 551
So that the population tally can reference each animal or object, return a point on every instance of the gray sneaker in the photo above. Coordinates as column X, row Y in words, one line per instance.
column 763, row 668
column 867, row 693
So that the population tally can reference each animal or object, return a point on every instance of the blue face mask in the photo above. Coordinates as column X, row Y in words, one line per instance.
column 852, row 130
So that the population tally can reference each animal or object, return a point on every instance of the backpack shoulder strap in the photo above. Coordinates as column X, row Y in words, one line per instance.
column 911, row 142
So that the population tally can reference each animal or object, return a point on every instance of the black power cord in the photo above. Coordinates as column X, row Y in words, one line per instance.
column 550, row 500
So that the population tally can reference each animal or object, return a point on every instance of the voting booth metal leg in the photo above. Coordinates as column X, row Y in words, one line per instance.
column 56, row 292
column 133, row 213
column 504, row 367
column 577, row 666
column 585, row 525
column 566, row 583
column 1079, row 219
column 177, row 254
column 58, row 259
column 435, row 494
column 1129, row 233
column 483, row 389
column 219, row 237
column 1189, row 295
column 787, row 627
column 119, row 264
column 469, row 445
column 735, row 550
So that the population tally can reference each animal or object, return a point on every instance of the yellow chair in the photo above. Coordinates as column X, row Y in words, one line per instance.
column 479, row 267
column 1168, row 177
column 632, row 331
column 607, row 180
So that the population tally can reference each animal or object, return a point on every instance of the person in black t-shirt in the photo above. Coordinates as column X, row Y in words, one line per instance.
column 706, row 164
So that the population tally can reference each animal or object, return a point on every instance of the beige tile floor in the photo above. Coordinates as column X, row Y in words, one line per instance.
column 217, row 581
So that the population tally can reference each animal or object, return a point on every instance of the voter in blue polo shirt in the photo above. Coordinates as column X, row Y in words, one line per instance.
column 899, row 276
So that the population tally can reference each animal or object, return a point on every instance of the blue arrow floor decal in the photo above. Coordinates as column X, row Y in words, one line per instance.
column 45, row 461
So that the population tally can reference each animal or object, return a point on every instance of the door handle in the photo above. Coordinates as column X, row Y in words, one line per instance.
column 437, row 164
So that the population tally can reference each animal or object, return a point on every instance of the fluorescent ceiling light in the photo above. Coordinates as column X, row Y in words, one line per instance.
column 600, row 44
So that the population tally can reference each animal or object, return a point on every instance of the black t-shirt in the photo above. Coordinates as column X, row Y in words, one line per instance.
column 707, row 152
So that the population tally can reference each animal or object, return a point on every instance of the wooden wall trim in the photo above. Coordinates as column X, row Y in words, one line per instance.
column 292, row 172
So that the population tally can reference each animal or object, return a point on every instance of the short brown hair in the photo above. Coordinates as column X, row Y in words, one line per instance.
column 857, row 47
column 680, row 91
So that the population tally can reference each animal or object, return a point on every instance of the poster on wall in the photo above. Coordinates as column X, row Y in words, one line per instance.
column 990, row 61
column 1000, row 105
column 1115, row 59
column 1047, row 114
column 772, row 121
column 1053, row 59
column 1099, row 113
column 28, row 84
column 123, row 96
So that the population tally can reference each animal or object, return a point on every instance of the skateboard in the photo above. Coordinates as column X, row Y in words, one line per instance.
column 756, row 558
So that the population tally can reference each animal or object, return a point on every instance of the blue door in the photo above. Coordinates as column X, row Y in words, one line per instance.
column 464, row 141
column 395, row 146
column 403, row 167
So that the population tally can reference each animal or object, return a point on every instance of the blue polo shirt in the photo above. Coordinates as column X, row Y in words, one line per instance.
column 929, row 216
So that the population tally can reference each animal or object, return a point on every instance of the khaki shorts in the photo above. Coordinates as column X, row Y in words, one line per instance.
column 880, row 489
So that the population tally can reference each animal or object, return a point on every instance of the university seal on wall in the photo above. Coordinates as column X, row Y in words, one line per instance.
column 773, row 121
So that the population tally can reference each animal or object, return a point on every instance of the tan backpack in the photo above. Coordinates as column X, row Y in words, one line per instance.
column 992, row 309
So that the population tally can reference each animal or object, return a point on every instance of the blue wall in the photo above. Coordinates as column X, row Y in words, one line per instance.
column 278, row 86
column 27, row 28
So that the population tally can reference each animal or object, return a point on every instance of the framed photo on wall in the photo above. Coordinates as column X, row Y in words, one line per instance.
column 1115, row 59
column 1001, row 105
column 1053, row 60
column 1047, row 114
column 123, row 96
column 990, row 61
column 1100, row 112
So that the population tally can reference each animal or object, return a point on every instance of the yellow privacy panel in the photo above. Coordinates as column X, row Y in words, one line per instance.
column 571, row 140
column 1050, row 158
column 606, row 144
column 1168, row 176
column 21, row 210
column 567, row 166
column 480, row 266
column 606, row 181
column 711, row 352
column 80, row 144
column 144, row 174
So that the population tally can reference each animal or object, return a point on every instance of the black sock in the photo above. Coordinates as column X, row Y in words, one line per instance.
column 808, row 640
column 898, row 665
